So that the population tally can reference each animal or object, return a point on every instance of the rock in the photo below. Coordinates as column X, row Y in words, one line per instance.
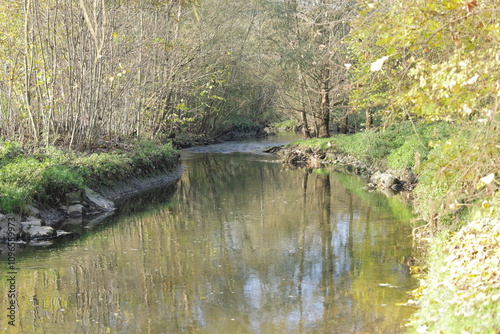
column 375, row 177
column 39, row 232
column 61, row 233
column 34, row 220
column 385, row 180
column 10, row 227
column 53, row 217
column 273, row 149
column 98, row 202
column 32, row 211
column 73, row 211
column 74, row 197
column 30, row 223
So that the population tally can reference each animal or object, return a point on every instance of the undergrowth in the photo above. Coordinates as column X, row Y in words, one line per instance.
column 395, row 146
column 241, row 123
column 45, row 176
column 286, row 125
column 461, row 293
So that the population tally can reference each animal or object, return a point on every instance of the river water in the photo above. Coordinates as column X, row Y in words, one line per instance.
column 239, row 244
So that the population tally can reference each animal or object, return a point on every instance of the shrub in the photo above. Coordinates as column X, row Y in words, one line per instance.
column 9, row 151
column 286, row 125
column 404, row 156
column 450, row 178
column 240, row 122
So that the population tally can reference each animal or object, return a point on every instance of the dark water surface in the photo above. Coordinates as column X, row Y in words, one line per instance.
column 239, row 245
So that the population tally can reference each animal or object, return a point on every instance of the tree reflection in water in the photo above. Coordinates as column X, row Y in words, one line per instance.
column 241, row 246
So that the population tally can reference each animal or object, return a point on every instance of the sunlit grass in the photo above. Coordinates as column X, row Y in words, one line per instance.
column 46, row 176
column 395, row 146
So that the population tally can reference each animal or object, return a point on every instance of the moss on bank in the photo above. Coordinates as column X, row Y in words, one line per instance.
column 457, row 196
column 44, row 177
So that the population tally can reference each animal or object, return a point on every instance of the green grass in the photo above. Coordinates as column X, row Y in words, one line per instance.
column 47, row 175
column 395, row 146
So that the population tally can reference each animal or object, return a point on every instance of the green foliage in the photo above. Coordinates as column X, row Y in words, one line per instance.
column 59, row 180
column 404, row 156
column 105, row 168
column 25, row 180
column 9, row 151
column 441, row 58
column 450, row 178
column 420, row 140
column 396, row 145
column 286, row 125
column 48, row 175
column 371, row 145
column 453, row 159
column 240, row 122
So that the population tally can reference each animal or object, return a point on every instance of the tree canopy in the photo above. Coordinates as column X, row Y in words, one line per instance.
column 76, row 71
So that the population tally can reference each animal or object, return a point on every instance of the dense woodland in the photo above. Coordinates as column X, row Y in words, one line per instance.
column 74, row 72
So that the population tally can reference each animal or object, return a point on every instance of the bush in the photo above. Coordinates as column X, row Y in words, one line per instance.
column 25, row 180
column 240, row 122
column 286, row 125
column 9, row 151
column 59, row 180
column 404, row 156
column 450, row 178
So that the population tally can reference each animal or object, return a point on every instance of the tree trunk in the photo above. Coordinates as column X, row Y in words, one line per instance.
column 369, row 118
column 305, row 125
column 29, row 64
column 324, row 115
column 344, row 122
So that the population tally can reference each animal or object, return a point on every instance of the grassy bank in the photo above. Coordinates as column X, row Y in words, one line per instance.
column 457, row 198
column 461, row 292
column 44, row 177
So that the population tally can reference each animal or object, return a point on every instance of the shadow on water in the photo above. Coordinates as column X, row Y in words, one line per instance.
column 239, row 245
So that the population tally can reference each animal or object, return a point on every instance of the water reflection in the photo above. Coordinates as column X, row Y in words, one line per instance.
column 241, row 246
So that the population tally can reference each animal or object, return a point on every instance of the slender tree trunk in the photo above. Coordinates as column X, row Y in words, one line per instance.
column 344, row 121
column 324, row 115
column 28, row 64
column 305, row 125
column 369, row 118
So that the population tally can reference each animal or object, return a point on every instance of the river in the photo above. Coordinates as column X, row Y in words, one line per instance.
column 240, row 244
